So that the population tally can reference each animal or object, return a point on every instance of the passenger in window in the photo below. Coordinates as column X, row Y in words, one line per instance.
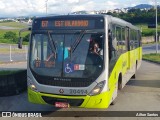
column 94, row 47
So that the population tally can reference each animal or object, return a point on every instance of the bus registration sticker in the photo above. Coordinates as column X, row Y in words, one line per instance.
column 79, row 67
column 62, row 105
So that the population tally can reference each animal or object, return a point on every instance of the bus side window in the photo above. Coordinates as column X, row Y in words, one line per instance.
column 112, row 45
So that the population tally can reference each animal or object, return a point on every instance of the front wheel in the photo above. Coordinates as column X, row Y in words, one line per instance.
column 114, row 101
column 114, row 97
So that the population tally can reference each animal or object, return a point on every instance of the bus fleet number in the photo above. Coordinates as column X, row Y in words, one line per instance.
column 78, row 92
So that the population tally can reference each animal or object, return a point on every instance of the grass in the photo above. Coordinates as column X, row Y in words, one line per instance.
column 3, row 40
column 13, row 24
column 14, row 50
column 152, row 57
column 147, row 31
column 8, row 72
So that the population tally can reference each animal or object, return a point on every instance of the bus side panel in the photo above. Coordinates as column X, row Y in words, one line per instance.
column 124, row 63
column 140, row 53
column 34, row 97
column 132, row 58
column 119, row 68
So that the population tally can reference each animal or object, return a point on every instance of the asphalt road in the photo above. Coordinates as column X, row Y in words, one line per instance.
column 150, row 48
column 140, row 94
column 14, row 55
column 8, row 28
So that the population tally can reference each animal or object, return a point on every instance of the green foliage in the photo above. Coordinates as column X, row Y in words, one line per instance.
column 13, row 24
column 141, row 18
column 3, row 40
column 8, row 72
column 26, row 38
column 136, row 16
column 152, row 57
column 11, row 36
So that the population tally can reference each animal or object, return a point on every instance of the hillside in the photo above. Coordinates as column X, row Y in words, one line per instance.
column 143, row 6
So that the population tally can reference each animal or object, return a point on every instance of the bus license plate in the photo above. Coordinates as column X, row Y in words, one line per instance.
column 61, row 105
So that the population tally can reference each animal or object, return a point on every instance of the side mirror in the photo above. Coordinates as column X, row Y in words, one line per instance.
column 20, row 43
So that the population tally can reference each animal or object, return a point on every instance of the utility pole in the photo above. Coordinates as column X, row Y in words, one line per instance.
column 46, row 6
column 156, row 28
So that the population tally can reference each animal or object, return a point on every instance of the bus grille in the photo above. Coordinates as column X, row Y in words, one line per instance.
column 64, row 83
column 72, row 102
column 75, row 82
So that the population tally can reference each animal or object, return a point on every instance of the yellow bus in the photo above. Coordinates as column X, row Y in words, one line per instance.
column 81, row 60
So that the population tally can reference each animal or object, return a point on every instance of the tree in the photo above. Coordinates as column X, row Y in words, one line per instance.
column 26, row 38
column 11, row 36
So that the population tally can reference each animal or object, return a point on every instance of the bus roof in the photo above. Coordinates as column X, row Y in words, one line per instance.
column 109, row 18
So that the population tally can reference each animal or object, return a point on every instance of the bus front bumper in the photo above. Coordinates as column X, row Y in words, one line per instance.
column 98, row 101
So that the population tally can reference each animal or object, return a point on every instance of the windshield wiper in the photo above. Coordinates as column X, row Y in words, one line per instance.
column 52, row 43
column 78, row 40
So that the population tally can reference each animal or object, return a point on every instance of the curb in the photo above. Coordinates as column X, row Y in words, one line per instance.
column 14, row 62
column 151, row 61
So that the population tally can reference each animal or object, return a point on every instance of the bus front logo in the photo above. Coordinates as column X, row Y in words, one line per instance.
column 61, row 91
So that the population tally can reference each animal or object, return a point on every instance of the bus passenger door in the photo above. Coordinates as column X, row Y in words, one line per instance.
column 128, row 46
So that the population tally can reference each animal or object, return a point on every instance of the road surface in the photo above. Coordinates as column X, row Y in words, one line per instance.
column 141, row 94
column 13, row 66
column 10, row 53
column 151, row 48
column 8, row 28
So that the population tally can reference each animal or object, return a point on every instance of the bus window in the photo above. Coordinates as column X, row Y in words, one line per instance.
column 112, row 39
column 70, row 57
column 42, row 54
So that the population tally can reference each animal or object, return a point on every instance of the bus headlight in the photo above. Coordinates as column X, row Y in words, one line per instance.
column 97, row 89
column 31, row 85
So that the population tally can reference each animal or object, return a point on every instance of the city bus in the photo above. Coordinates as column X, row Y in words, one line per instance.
column 81, row 60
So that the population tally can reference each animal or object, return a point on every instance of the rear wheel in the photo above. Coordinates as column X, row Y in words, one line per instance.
column 120, row 82
column 134, row 76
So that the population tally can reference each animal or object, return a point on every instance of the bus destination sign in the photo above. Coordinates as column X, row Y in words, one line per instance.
column 65, row 24
column 71, row 23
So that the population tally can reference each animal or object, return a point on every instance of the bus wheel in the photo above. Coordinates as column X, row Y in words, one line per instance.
column 120, row 82
column 115, row 95
column 114, row 102
column 134, row 76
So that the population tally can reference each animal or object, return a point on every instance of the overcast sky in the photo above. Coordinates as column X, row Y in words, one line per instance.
column 10, row 8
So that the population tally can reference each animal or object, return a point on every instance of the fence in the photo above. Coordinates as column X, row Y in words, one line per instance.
column 149, row 39
column 11, row 53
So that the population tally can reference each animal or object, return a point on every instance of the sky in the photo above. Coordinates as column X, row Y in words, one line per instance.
column 14, row 8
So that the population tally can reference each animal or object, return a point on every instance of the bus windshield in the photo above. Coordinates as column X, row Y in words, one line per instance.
column 76, row 54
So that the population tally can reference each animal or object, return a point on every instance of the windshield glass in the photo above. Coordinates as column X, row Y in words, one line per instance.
column 77, row 54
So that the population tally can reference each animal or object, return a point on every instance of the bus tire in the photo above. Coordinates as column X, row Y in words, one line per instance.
column 134, row 76
column 120, row 81
column 116, row 94
column 114, row 101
